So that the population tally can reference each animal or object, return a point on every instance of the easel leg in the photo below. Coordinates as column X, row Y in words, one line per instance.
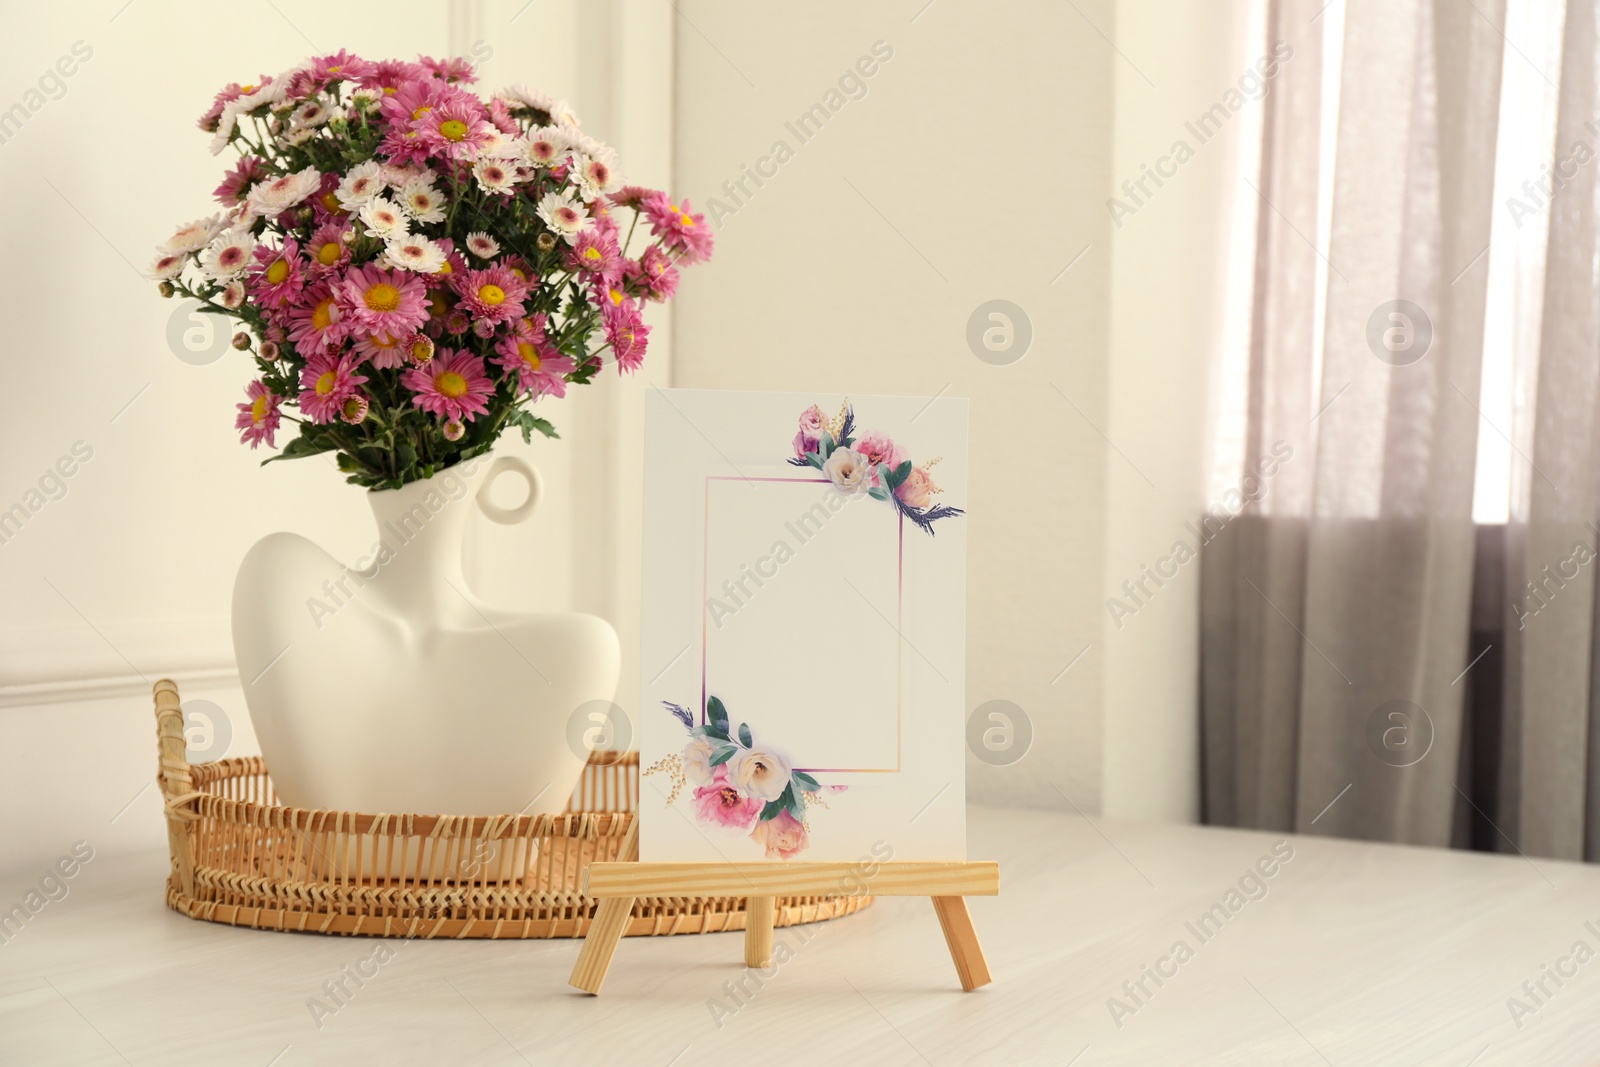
column 594, row 959
column 959, row 934
column 758, row 931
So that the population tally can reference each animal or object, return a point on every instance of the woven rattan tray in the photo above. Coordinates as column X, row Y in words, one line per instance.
column 240, row 858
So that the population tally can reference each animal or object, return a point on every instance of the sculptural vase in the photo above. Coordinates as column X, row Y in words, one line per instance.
column 390, row 687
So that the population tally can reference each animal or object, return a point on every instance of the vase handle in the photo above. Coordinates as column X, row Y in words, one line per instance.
column 509, row 516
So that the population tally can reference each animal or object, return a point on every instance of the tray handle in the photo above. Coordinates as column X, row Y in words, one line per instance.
column 177, row 786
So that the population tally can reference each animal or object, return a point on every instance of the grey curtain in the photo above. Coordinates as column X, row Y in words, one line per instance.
column 1336, row 610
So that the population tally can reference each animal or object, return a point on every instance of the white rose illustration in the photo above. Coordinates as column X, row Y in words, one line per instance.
column 697, row 761
column 759, row 774
column 849, row 470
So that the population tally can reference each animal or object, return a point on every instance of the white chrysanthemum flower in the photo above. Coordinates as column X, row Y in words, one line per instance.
column 482, row 245
column 589, row 146
column 167, row 265
column 564, row 215
column 311, row 113
column 361, row 183
column 365, row 98
column 596, row 174
column 277, row 195
column 384, row 218
column 561, row 114
column 227, row 257
column 496, row 175
column 410, row 252
column 296, row 136
column 193, row 236
column 420, row 199
column 547, row 146
column 395, row 175
column 523, row 96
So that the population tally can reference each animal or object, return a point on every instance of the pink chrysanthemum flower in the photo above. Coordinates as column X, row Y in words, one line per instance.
column 454, row 69
column 595, row 254
column 628, row 337
column 384, row 301
column 452, row 385
column 278, row 274
column 328, row 249
column 326, row 381
column 679, row 228
column 318, row 324
column 341, row 66
column 237, row 182
column 456, row 129
column 654, row 273
column 354, row 408
column 457, row 323
column 500, row 115
column 611, row 298
column 538, row 368
column 326, row 200
column 493, row 294
column 384, row 351
column 633, row 195
column 258, row 415
column 387, row 76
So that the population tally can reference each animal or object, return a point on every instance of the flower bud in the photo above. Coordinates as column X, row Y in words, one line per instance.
column 354, row 408
column 241, row 341
column 165, row 289
column 546, row 242
column 269, row 350
column 454, row 431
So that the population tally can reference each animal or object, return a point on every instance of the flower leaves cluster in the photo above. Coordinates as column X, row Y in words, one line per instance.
column 743, row 787
column 414, row 267
column 872, row 464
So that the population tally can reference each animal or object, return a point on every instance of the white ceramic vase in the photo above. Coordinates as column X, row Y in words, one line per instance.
column 390, row 688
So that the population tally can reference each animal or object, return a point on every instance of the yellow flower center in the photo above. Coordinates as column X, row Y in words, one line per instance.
column 334, row 69
column 421, row 111
column 278, row 271
column 389, row 90
column 245, row 90
column 258, row 409
column 328, row 254
column 592, row 255
column 438, row 306
column 682, row 218
column 331, row 202
column 445, row 268
column 326, row 383
column 616, row 296
column 491, row 295
column 382, row 297
column 322, row 315
column 529, row 355
column 451, row 384
column 453, row 129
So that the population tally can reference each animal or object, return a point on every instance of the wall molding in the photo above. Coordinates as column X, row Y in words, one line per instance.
column 52, row 665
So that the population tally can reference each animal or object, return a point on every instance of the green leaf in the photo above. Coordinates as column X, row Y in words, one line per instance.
column 723, row 755
column 807, row 783
column 301, row 447
column 528, row 422
column 878, row 492
column 901, row 473
column 814, row 459
column 717, row 714
column 744, row 736
column 772, row 810
column 790, row 799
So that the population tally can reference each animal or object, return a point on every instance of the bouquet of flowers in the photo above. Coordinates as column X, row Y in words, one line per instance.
column 739, row 786
column 413, row 267
column 874, row 465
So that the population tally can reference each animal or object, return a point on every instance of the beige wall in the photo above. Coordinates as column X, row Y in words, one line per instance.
column 974, row 168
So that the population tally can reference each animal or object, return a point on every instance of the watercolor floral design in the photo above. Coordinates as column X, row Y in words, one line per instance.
column 871, row 464
column 739, row 786
column 412, row 267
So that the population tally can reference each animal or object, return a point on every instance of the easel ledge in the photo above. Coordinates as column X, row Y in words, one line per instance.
column 618, row 884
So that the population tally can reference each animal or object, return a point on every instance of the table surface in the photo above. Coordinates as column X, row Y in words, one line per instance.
column 1349, row 953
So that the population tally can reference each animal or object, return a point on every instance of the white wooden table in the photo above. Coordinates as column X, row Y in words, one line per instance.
column 1356, row 954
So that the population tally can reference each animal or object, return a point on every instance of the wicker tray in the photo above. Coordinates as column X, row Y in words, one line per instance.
column 240, row 858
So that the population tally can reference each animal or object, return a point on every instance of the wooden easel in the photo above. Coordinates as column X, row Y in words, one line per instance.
column 617, row 884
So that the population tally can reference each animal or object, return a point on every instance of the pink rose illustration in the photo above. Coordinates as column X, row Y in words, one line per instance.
column 783, row 837
column 917, row 489
column 878, row 448
column 812, row 421
column 804, row 443
column 720, row 804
